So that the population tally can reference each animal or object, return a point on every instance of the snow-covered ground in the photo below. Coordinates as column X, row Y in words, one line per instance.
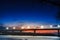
column 10, row 37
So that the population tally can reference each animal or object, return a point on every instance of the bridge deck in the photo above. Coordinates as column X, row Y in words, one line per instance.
column 44, row 32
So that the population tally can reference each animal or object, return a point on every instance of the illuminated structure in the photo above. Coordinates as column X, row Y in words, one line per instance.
column 33, row 30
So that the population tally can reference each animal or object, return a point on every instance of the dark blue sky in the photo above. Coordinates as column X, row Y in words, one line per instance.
column 27, row 11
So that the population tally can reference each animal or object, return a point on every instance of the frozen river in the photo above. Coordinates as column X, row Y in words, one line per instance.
column 10, row 37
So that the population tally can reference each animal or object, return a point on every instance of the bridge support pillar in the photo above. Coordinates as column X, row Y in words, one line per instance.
column 58, row 33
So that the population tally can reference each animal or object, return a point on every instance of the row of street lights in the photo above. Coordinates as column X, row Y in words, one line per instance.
column 28, row 27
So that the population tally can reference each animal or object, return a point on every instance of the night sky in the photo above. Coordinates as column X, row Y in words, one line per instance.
column 27, row 11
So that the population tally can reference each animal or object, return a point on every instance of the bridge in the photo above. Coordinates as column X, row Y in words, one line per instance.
column 33, row 32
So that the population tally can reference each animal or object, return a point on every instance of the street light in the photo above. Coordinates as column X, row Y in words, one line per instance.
column 14, row 28
column 22, row 27
column 58, row 26
column 28, row 27
column 42, row 26
column 7, row 28
column 51, row 26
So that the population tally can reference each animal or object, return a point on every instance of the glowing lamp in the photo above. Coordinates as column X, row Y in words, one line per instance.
column 42, row 26
column 28, row 27
column 51, row 26
column 14, row 28
column 22, row 27
column 58, row 26
column 7, row 28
